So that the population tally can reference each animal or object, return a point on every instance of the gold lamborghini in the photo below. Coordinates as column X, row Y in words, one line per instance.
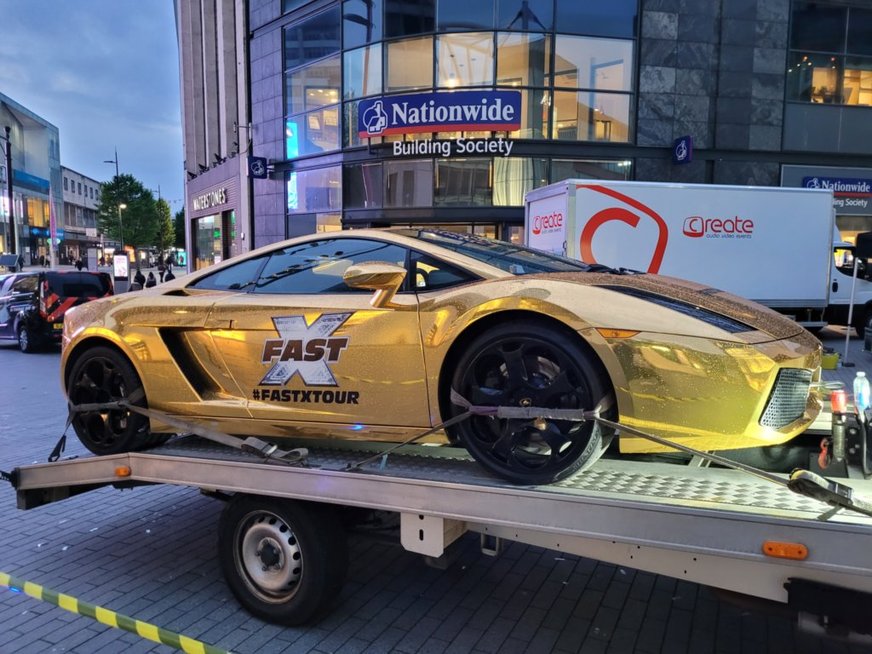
column 364, row 334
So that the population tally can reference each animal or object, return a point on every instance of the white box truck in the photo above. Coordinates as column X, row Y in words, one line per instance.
column 769, row 244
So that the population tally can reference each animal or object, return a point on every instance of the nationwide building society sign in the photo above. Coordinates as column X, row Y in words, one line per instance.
column 479, row 111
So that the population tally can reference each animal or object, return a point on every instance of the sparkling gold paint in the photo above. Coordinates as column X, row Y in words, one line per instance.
column 677, row 377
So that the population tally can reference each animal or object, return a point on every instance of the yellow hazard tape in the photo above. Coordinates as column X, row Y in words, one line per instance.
column 107, row 617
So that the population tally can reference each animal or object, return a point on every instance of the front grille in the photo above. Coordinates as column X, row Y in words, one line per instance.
column 788, row 398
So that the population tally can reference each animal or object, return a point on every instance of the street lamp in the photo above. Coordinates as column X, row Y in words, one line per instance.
column 113, row 161
column 121, row 226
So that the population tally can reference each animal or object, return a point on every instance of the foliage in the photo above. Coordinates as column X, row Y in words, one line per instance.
column 179, row 223
column 166, row 230
column 135, row 225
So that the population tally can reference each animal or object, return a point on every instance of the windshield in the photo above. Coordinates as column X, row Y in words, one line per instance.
column 515, row 259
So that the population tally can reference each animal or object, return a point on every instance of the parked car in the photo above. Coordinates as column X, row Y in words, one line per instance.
column 33, row 303
column 364, row 334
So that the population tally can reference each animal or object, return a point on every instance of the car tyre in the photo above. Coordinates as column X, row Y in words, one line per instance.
column 27, row 340
column 284, row 561
column 529, row 363
column 103, row 375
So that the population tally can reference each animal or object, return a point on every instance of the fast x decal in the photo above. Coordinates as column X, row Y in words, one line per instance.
column 304, row 349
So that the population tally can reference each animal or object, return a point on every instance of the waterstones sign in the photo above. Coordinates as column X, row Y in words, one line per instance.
column 447, row 111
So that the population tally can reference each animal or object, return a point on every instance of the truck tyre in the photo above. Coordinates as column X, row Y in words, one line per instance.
column 102, row 375
column 285, row 561
column 862, row 317
column 530, row 363
column 27, row 340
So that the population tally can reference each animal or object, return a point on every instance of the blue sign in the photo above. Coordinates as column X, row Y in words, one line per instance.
column 682, row 150
column 841, row 186
column 446, row 111
column 257, row 167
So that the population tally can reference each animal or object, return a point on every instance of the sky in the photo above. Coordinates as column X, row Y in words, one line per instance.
column 106, row 74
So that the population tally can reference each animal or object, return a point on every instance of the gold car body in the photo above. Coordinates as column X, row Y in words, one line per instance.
column 204, row 355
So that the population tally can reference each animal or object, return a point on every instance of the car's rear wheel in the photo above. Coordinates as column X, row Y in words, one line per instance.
column 102, row 375
column 527, row 363
column 27, row 341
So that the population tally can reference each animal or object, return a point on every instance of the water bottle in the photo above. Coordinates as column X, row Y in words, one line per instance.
column 861, row 394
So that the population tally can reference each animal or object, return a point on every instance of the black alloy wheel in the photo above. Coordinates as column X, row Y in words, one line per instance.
column 530, row 364
column 285, row 561
column 100, row 376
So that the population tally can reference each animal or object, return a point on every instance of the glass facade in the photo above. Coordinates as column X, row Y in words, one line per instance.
column 572, row 63
column 830, row 57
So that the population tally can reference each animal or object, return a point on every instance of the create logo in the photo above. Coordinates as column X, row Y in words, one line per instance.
column 630, row 212
column 304, row 349
column 547, row 223
column 699, row 227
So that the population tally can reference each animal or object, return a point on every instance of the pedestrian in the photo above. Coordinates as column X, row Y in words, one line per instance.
column 42, row 261
column 20, row 262
column 161, row 269
column 79, row 265
column 151, row 281
column 139, row 278
column 169, row 276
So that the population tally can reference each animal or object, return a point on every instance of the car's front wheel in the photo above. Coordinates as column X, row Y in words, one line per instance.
column 27, row 341
column 102, row 375
column 530, row 364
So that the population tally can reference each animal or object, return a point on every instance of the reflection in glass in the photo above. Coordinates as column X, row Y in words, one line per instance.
column 535, row 106
column 523, row 59
column 363, row 72
column 313, row 86
column 361, row 22
column 313, row 132
column 408, row 183
column 409, row 64
column 608, row 18
column 590, row 169
column 524, row 15
column 363, row 186
column 408, row 17
column 311, row 191
column 311, row 39
column 587, row 116
column 587, row 63
column 857, row 88
column 514, row 176
column 463, row 182
column 459, row 15
column 465, row 59
column 328, row 222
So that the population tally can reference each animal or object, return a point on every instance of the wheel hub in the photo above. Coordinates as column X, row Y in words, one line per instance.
column 270, row 555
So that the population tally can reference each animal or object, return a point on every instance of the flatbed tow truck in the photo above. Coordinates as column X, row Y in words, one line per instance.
column 282, row 545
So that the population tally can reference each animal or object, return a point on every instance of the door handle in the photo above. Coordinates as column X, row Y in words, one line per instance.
column 835, row 287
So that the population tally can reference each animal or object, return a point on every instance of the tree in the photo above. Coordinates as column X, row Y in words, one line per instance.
column 136, row 225
column 166, row 231
column 179, row 224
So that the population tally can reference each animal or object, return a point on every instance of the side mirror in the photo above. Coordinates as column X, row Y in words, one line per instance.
column 383, row 278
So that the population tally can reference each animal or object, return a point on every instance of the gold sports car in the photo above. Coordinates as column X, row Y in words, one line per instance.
column 363, row 334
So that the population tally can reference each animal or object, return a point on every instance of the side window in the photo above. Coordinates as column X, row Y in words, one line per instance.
column 318, row 266
column 24, row 284
column 431, row 274
column 235, row 278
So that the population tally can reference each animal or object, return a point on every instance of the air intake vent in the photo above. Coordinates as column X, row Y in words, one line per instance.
column 788, row 398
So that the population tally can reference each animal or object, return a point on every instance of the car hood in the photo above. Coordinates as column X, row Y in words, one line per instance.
column 713, row 300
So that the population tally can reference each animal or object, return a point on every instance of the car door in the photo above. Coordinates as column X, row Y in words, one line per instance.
column 5, row 323
column 305, row 348
column 18, row 294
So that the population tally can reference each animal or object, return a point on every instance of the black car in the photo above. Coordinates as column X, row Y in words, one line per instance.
column 33, row 304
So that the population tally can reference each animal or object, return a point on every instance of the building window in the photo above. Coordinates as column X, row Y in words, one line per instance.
column 312, row 39
column 313, row 86
column 363, row 186
column 827, row 62
column 408, row 17
column 463, row 15
column 465, row 59
column 408, row 183
column 524, row 15
column 65, row 183
column 80, row 187
column 590, row 63
column 611, row 18
column 312, row 191
column 562, row 169
column 523, row 59
column 361, row 22
column 362, row 74
column 514, row 176
column 463, row 182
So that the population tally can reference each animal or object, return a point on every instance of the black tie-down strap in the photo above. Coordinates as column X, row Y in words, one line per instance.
column 263, row 449
column 800, row 481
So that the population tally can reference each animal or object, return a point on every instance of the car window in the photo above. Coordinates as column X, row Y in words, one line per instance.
column 25, row 284
column 431, row 274
column 318, row 266
column 73, row 284
column 239, row 277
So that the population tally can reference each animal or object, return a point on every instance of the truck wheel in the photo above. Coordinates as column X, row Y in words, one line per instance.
column 102, row 375
column 861, row 320
column 528, row 363
column 284, row 561
column 27, row 341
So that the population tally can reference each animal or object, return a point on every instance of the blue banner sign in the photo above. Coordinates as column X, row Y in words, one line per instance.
column 841, row 186
column 447, row 111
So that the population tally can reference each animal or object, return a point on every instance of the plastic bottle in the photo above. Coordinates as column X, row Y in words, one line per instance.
column 861, row 393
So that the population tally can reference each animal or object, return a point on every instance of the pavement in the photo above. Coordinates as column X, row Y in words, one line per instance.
column 150, row 553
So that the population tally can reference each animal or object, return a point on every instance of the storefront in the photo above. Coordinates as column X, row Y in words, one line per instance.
column 852, row 193
column 214, row 233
